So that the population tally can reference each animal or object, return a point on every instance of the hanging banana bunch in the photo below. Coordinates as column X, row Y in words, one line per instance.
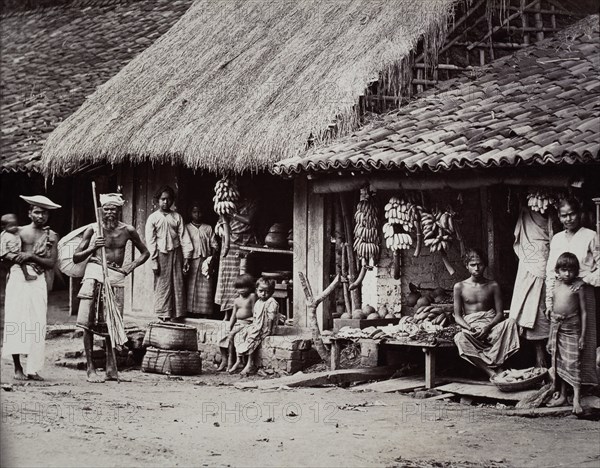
column 438, row 230
column 400, row 216
column 226, row 196
column 366, row 229
column 540, row 200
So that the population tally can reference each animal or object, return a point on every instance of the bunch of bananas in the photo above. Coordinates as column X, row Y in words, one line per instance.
column 400, row 211
column 226, row 195
column 540, row 200
column 438, row 230
column 400, row 216
column 366, row 233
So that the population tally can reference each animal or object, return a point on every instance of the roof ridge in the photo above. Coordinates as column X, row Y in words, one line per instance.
column 68, row 4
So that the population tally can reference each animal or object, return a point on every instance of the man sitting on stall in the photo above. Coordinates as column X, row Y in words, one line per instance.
column 91, row 315
column 487, row 339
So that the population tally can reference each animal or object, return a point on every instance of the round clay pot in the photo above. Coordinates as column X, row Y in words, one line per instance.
column 276, row 239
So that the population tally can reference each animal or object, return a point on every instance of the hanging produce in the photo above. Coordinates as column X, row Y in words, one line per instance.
column 225, row 199
column 540, row 200
column 226, row 196
column 366, row 229
column 400, row 216
column 438, row 233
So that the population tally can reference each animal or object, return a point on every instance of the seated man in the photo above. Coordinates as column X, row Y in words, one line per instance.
column 487, row 340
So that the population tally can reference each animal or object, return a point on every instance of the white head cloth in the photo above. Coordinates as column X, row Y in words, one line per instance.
column 111, row 199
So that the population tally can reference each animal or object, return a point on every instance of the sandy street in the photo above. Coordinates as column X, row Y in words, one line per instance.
column 206, row 421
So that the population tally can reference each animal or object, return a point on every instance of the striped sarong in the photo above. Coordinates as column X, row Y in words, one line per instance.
column 168, row 285
column 589, row 375
column 229, row 270
column 500, row 344
column 200, row 291
column 564, row 347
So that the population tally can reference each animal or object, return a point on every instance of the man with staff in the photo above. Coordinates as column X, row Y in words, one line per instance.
column 92, row 310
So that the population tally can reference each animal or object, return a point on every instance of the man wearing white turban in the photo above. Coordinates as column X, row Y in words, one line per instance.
column 114, row 240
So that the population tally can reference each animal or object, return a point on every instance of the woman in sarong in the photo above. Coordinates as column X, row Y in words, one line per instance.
column 528, row 306
column 229, row 268
column 200, row 290
column 169, row 245
column 581, row 242
column 487, row 340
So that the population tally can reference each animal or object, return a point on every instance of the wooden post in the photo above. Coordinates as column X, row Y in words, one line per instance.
column 539, row 23
column 300, row 249
column 488, row 227
column 349, row 234
column 429, row 367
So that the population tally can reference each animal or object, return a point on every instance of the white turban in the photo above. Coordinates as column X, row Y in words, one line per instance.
column 111, row 199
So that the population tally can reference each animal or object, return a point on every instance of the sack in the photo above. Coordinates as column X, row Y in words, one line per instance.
column 66, row 249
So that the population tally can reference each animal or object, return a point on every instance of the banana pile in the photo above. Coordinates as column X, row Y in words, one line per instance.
column 226, row 195
column 366, row 232
column 400, row 216
column 438, row 230
column 540, row 200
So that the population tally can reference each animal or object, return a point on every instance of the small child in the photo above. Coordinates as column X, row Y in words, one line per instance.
column 10, row 243
column 568, row 322
column 240, row 317
column 264, row 321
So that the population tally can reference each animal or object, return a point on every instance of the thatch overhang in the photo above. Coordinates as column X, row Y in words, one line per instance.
column 538, row 107
column 54, row 57
column 236, row 86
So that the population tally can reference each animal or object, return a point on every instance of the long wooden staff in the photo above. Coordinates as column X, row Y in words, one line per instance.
column 104, row 268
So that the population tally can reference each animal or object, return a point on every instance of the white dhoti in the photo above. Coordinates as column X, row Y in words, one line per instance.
column 25, row 310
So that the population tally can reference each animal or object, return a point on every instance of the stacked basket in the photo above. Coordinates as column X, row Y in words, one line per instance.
column 172, row 348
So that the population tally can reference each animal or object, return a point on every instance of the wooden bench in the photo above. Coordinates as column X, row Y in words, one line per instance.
column 428, row 348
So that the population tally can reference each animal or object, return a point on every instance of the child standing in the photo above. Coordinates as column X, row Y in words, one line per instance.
column 264, row 321
column 168, row 245
column 241, row 316
column 568, row 327
column 10, row 243
column 200, row 291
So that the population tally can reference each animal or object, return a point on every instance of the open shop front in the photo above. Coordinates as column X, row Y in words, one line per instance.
column 397, row 242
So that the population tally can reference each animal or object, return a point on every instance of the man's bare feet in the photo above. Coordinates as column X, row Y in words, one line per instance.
column 577, row 409
column 19, row 375
column 558, row 399
column 92, row 377
column 35, row 376
column 235, row 367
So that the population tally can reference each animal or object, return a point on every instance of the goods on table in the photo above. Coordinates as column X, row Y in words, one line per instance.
column 434, row 315
column 540, row 200
column 366, row 229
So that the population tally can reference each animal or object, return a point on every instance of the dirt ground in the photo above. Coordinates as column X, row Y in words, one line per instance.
column 206, row 421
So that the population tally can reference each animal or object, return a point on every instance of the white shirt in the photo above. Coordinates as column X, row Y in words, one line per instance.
column 203, row 240
column 582, row 244
column 166, row 232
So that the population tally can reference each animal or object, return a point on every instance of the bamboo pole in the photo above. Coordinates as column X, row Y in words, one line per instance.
column 349, row 234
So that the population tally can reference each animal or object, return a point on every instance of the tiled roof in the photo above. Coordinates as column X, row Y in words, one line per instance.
column 538, row 106
column 53, row 58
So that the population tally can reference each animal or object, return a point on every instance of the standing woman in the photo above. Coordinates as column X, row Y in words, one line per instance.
column 168, row 244
column 241, row 226
column 200, row 290
column 581, row 242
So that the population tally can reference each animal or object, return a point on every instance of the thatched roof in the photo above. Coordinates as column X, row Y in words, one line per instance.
column 239, row 85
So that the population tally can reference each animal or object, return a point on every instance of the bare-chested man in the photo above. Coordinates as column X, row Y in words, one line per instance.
column 487, row 340
column 114, row 240
column 26, row 301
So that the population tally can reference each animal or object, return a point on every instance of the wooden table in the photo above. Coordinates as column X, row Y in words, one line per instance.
column 428, row 348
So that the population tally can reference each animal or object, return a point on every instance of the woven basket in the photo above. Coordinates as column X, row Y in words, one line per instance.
column 165, row 361
column 508, row 387
column 171, row 336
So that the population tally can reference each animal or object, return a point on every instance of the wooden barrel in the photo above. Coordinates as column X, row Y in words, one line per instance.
column 167, row 335
column 166, row 361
